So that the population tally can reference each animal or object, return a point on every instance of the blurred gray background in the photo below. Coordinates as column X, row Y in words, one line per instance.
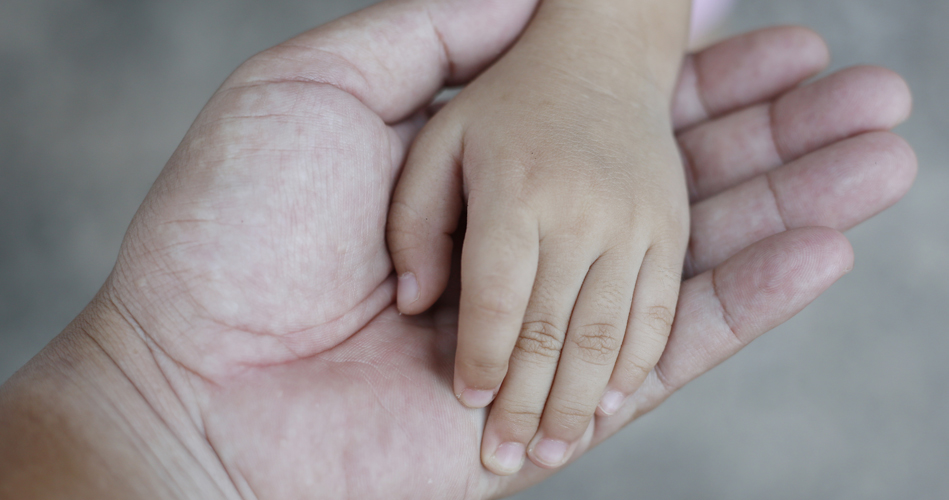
column 848, row 400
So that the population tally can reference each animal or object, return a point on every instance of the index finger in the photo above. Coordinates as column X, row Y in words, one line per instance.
column 498, row 267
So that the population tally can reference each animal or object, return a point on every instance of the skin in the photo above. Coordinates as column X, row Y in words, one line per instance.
column 247, row 344
column 563, row 156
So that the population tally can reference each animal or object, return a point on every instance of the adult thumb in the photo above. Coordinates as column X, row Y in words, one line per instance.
column 396, row 55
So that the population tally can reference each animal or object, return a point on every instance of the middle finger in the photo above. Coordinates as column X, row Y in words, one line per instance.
column 596, row 333
column 516, row 412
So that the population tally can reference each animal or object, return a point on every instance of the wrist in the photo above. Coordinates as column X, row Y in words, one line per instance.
column 613, row 41
column 87, row 417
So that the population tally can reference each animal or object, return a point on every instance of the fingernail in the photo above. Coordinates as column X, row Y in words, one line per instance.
column 611, row 402
column 550, row 452
column 408, row 291
column 510, row 457
column 476, row 399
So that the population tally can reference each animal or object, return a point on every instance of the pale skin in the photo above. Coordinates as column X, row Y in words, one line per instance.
column 563, row 156
column 247, row 344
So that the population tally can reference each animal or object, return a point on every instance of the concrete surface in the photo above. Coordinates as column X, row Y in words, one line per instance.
column 848, row 400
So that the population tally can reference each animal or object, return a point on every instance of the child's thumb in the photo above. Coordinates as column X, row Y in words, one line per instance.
column 423, row 216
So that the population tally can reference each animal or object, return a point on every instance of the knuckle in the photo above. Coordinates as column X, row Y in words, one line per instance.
column 581, row 223
column 659, row 319
column 632, row 372
column 570, row 416
column 488, row 370
column 495, row 301
column 402, row 228
column 669, row 275
column 539, row 339
column 611, row 296
column 598, row 343
column 519, row 419
column 400, row 214
column 402, row 244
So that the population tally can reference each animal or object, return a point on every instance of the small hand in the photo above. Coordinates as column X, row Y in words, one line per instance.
column 577, row 224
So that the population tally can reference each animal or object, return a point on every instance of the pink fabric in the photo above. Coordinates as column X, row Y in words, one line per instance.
column 708, row 14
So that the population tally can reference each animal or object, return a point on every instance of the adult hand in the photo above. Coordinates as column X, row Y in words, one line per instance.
column 252, row 303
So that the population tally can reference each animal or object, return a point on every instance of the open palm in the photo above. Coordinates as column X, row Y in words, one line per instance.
column 258, row 274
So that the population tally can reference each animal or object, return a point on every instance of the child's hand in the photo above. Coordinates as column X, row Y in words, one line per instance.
column 577, row 224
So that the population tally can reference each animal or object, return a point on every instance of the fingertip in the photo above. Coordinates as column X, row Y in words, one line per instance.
column 812, row 47
column 829, row 243
column 892, row 92
column 905, row 168
column 408, row 293
column 848, row 255
column 821, row 254
column 892, row 170
column 422, row 276
column 850, row 102
column 798, row 44
column 884, row 97
column 549, row 453
column 610, row 403
column 829, row 255
column 421, row 259
column 757, row 66
column 475, row 398
column 840, row 246
column 472, row 397
column 906, row 93
column 508, row 458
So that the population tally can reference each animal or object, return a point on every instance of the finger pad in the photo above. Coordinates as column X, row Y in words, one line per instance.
column 847, row 183
column 754, row 67
column 775, row 279
column 847, row 103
